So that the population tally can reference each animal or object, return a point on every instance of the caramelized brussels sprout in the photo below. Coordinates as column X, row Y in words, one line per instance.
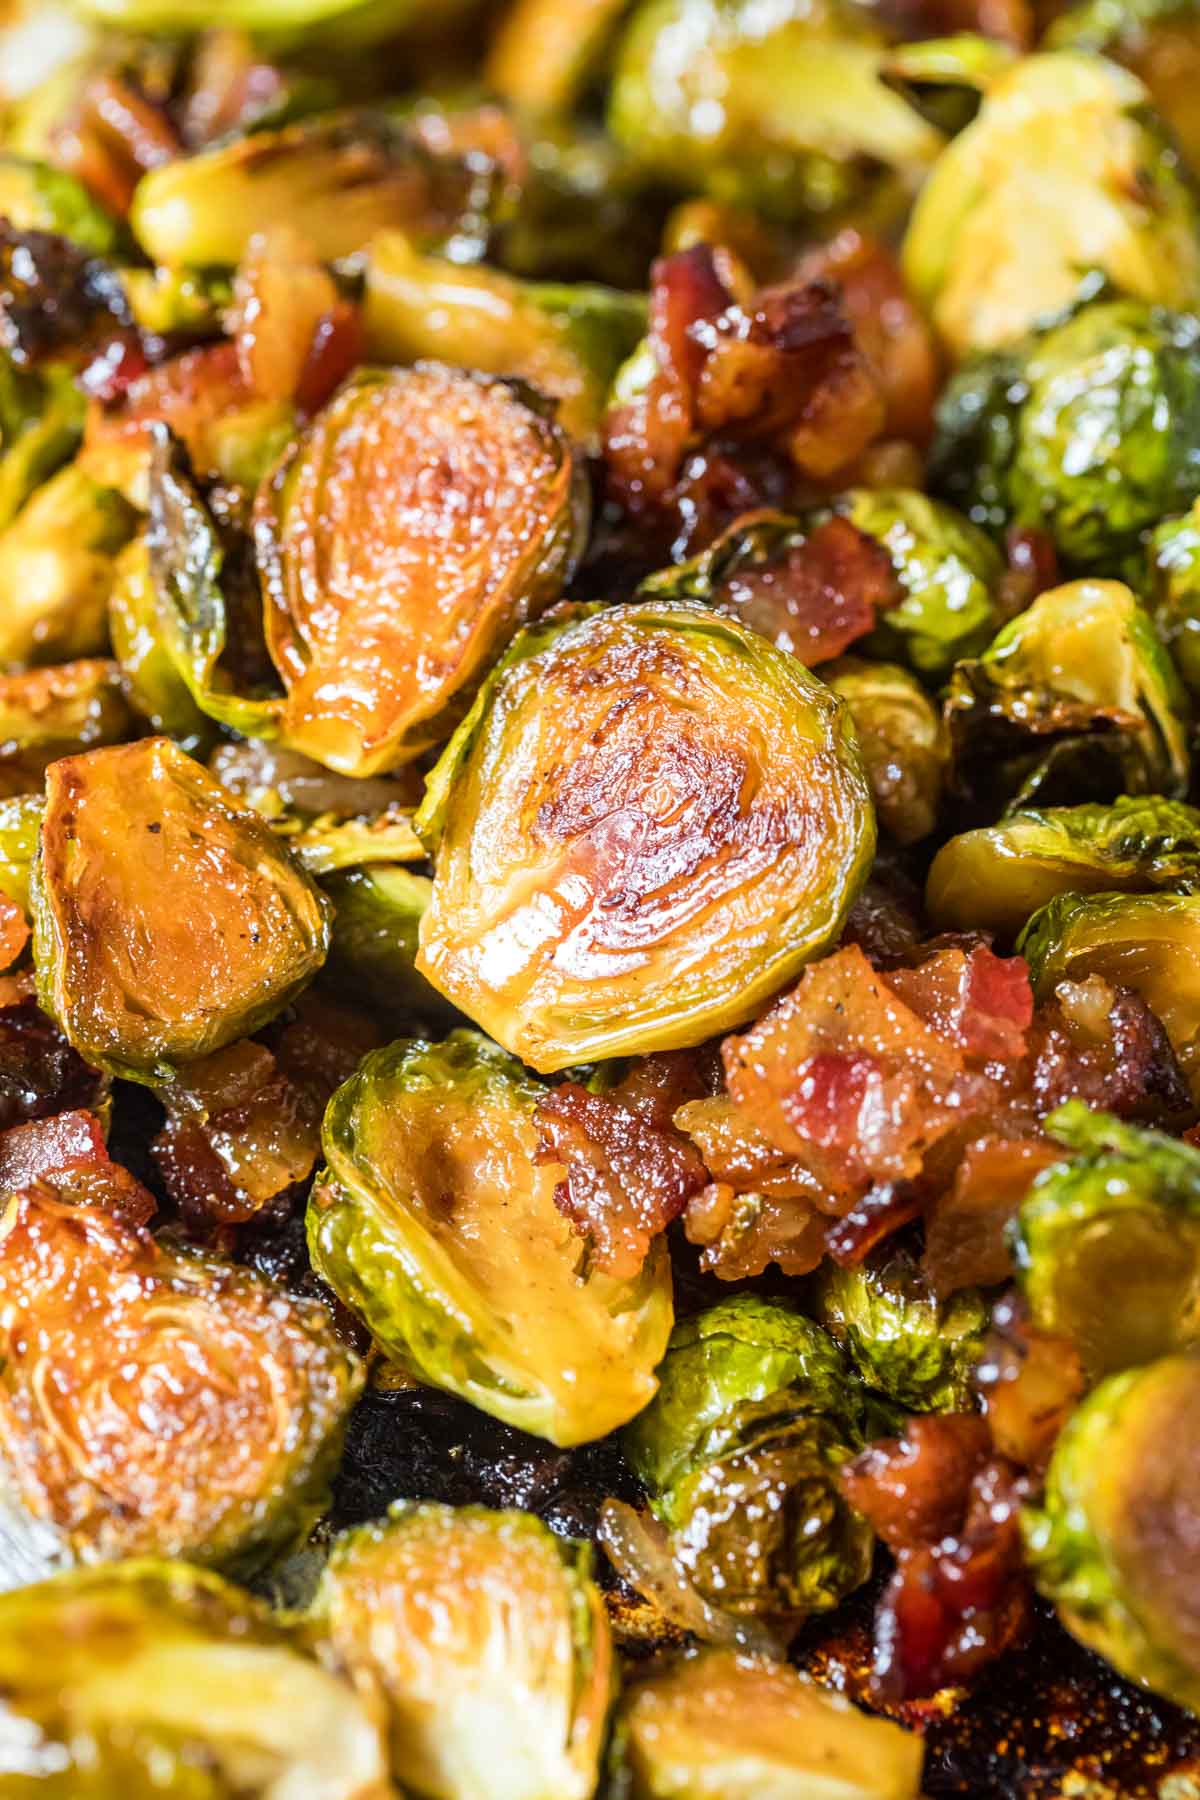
column 546, row 52
column 1087, row 431
column 739, row 1451
column 1149, row 942
column 1064, row 171
column 996, row 878
column 1157, row 39
column 155, row 1678
column 1075, row 697
column 339, row 24
column 1107, row 1245
column 140, row 846
column 167, row 1404
column 435, row 1223
column 491, row 1645
column 41, row 423
column 785, row 110
column 338, row 179
column 1114, row 1542
column 903, row 1340
column 1175, row 592
column 377, row 913
column 56, row 569
column 422, row 517
column 948, row 571
column 49, row 713
column 34, row 196
column 152, row 684
column 566, row 341
column 903, row 743
column 649, row 821
column 20, row 823
column 719, row 1723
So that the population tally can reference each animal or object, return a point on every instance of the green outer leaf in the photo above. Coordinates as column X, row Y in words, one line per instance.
column 916, row 1349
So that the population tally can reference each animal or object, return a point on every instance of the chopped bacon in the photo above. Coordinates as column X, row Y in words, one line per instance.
column 230, row 87
column 111, row 137
column 881, row 1211
column 913, row 1490
column 965, row 1242
column 1103, row 1044
column 295, row 337
column 740, row 1234
column 321, row 1043
column 40, row 1074
column 1030, row 1383
column 975, row 999
column 193, row 394
column 68, row 1154
column 818, row 597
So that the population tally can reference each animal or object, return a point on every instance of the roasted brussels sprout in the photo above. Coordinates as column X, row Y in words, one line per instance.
column 1107, row 1245
column 1075, row 699
column 1144, row 941
column 996, row 878
column 1114, row 1542
column 20, row 823
column 546, row 52
column 155, row 1678
column 1088, row 431
column 491, row 1645
column 140, row 846
column 903, row 1340
column 435, row 1223
column 649, row 821
column 739, row 1451
column 1175, row 592
column 152, row 683
column 41, row 423
column 372, row 954
column 1157, row 39
column 34, row 196
column 566, row 341
column 948, row 571
column 166, row 1404
column 56, row 568
column 422, row 517
column 785, row 111
column 49, row 713
column 717, row 1723
column 1065, row 171
column 902, row 739
column 339, row 24
column 338, row 179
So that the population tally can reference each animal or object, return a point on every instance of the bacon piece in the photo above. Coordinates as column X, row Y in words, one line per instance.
column 819, row 597
column 192, row 394
column 914, row 1490
column 58, row 302
column 975, row 999
column 740, row 1234
column 1030, row 1383
column 295, row 337
column 40, row 1074
column 68, row 1154
column 1032, row 568
column 1102, row 1044
column 965, row 1243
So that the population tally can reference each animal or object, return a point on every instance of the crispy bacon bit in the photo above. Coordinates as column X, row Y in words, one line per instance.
column 111, row 137
column 977, row 1000
column 1102, row 1044
column 238, row 1134
column 740, row 1234
column 67, row 1153
column 628, row 1173
column 192, row 394
column 965, row 1243
column 959, row 1596
column 880, row 1212
column 295, row 337
column 1030, row 1383
column 320, row 1044
column 820, row 596
column 40, row 1074
column 57, row 301
column 14, row 932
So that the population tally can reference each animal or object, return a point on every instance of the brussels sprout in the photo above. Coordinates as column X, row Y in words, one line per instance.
column 1175, row 592
column 48, row 713
column 1157, row 39
column 739, row 1451
column 435, row 1223
column 491, row 1645
column 166, row 1404
column 332, row 24
column 151, row 681
column 903, row 743
column 56, row 568
column 717, row 1724
column 36, row 197
column 785, row 111
column 567, row 341
column 546, row 52
column 1107, row 1245
column 1090, row 433
column 154, row 1678
column 649, row 821
column 917, row 1350
column 338, row 179
column 328, row 821
column 1149, row 942
column 377, row 911
column 1075, row 694
column 996, row 878
column 20, row 823
column 422, row 517
column 948, row 570
column 1114, row 1541
column 41, row 423
column 141, row 846
column 1064, row 171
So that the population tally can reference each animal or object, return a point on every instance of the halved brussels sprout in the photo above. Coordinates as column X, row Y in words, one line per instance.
column 903, row 1340
column 154, row 1678
column 722, row 1726
column 566, row 341
column 1175, row 592
column 948, row 571
column 1114, row 1542
column 34, row 196
column 491, row 1645
column 996, row 878
column 333, row 24
column 1063, row 172
column 1076, row 693
column 649, row 822
column 1157, row 39
column 152, row 683
column 166, row 1404
column 1107, row 1245
column 41, row 423
column 56, row 569
column 1148, row 942
column 49, row 713
column 338, row 179
column 20, row 824
column 436, row 1224
column 140, row 846
column 785, row 111
column 1087, row 431
column 422, row 517
column 902, row 739
column 739, row 1451
column 373, row 951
